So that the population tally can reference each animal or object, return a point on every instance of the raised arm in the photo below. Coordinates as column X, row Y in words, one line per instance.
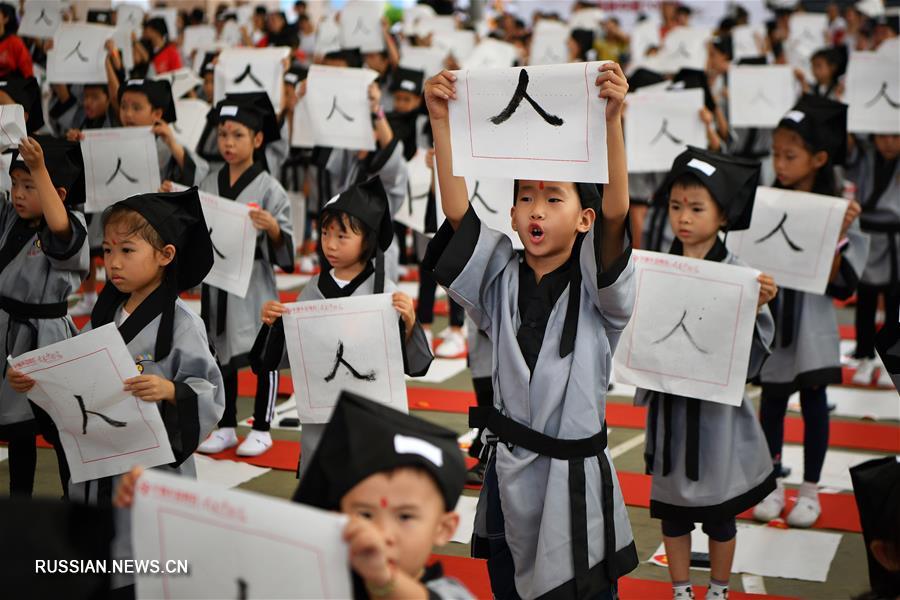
column 613, row 87
column 55, row 213
column 439, row 90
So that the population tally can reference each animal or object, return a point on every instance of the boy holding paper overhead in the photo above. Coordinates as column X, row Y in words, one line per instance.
column 355, row 231
column 709, row 461
column 43, row 257
column 550, row 517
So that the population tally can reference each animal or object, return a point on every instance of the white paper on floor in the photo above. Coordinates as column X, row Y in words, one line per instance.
column 227, row 473
column 860, row 403
column 284, row 281
column 466, row 509
column 772, row 552
column 285, row 410
column 835, row 471
column 441, row 370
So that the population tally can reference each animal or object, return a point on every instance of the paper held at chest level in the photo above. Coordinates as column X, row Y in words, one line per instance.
column 691, row 330
column 541, row 122
column 104, row 430
column 348, row 344
column 221, row 534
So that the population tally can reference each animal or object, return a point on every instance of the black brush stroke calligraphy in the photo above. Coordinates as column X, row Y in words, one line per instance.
column 120, row 170
column 664, row 131
column 680, row 325
column 760, row 96
column 335, row 107
column 882, row 93
column 339, row 360
column 77, row 52
column 242, row 589
column 360, row 27
column 215, row 249
column 520, row 94
column 682, row 51
column 780, row 227
column 43, row 18
column 248, row 73
column 477, row 195
column 85, row 412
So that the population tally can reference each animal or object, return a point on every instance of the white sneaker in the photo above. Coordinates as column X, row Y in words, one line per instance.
column 85, row 306
column 865, row 370
column 772, row 505
column 219, row 440
column 805, row 513
column 256, row 443
column 884, row 378
column 452, row 346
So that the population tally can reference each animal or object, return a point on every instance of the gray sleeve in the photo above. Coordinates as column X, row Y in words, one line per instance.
column 68, row 255
column 763, row 335
column 278, row 203
column 394, row 174
column 417, row 353
column 612, row 291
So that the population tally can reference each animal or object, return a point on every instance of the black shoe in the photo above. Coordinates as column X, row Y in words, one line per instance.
column 475, row 475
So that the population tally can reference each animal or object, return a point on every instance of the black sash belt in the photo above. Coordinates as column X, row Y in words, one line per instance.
column 21, row 312
column 575, row 452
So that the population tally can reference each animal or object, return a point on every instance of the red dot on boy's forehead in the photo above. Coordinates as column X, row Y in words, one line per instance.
column 540, row 185
column 384, row 503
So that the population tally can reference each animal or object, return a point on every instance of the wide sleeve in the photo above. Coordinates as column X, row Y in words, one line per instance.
column 194, row 171
column 269, row 352
column 853, row 260
column 612, row 290
column 469, row 262
column 391, row 168
column 68, row 255
column 278, row 203
column 199, row 391
column 763, row 336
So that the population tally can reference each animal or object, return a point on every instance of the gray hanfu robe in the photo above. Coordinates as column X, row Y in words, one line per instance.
column 562, row 401
column 38, row 271
column 880, row 218
column 199, row 403
column 194, row 171
column 231, row 321
column 709, row 461
column 806, row 351
column 270, row 351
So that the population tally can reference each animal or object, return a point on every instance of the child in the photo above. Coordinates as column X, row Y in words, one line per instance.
column 246, row 123
column 398, row 478
column 549, row 383
column 874, row 168
column 807, row 143
column 827, row 67
column 156, row 49
column 42, row 260
column 709, row 461
column 355, row 229
column 155, row 246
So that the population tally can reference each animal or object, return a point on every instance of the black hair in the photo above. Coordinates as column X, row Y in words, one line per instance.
column 12, row 22
column 133, row 223
column 687, row 180
column 825, row 182
column 343, row 219
column 97, row 86
column 577, row 192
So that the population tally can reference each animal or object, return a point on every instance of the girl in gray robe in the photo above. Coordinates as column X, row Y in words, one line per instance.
column 366, row 202
column 806, row 353
column 43, row 258
column 232, row 322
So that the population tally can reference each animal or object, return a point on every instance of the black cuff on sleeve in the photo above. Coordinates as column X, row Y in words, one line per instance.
column 60, row 108
column 607, row 277
column 59, row 249
column 286, row 264
column 188, row 438
column 267, row 350
column 449, row 251
column 848, row 279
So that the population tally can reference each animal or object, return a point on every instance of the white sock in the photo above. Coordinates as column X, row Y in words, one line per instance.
column 717, row 590
column 809, row 490
column 682, row 590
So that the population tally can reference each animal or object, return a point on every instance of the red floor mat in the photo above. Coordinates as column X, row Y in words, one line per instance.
column 282, row 456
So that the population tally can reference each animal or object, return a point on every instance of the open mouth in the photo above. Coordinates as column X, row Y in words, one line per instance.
column 535, row 233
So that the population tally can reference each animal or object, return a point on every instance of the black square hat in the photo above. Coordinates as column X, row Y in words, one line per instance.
column 64, row 163
column 643, row 77
column 687, row 79
column 876, row 485
column 178, row 218
column 822, row 123
column 27, row 92
column 363, row 438
column 253, row 109
column 367, row 202
column 731, row 181
column 158, row 92
column 407, row 80
column 295, row 74
column 208, row 65
column 104, row 17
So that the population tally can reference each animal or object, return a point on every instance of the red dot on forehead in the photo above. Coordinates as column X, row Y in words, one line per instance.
column 540, row 185
column 384, row 503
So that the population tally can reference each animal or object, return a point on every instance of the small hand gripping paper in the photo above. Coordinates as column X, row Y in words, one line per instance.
column 365, row 437
column 217, row 532
column 338, row 102
column 79, row 53
column 544, row 122
column 103, row 429
column 873, row 93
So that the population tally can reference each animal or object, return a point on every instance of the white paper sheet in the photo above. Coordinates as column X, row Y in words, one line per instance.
column 808, row 28
column 302, row 129
column 251, row 70
column 586, row 18
column 182, row 81
column 683, row 48
column 466, row 509
column 748, row 41
column 230, row 36
column 859, row 403
column 412, row 15
column 328, row 35
column 772, row 552
column 170, row 16
column 122, row 37
column 429, row 60
column 191, row 113
column 338, row 102
column 549, row 43
column 361, row 25
column 197, row 37
column 760, row 95
column 12, row 126
column 691, row 329
column 348, row 344
column 412, row 213
column 644, row 36
column 225, row 473
column 130, row 17
column 79, row 53
column 118, row 163
column 491, row 54
column 41, row 18
column 431, row 24
column 237, row 544
column 873, row 93
column 104, row 430
column 234, row 243
column 492, row 200
column 660, row 126
column 792, row 237
column 491, row 136
column 836, row 469
column 459, row 42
